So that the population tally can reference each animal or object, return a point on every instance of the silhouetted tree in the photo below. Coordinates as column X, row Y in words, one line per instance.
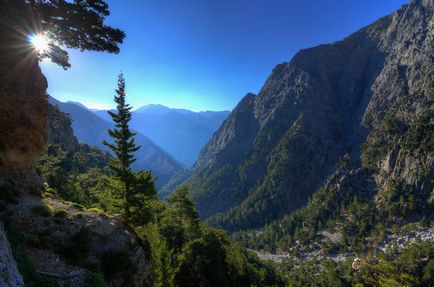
column 74, row 24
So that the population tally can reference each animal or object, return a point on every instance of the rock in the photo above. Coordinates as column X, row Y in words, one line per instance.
column 9, row 274
column 23, row 109
column 72, row 248
column 59, row 130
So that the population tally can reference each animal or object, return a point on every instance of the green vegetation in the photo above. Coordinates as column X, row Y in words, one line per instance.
column 96, row 280
column 183, row 251
column 412, row 266
column 186, row 252
column 137, row 188
column 43, row 210
column 381, row 140
column 70, row 175
column 361, row 221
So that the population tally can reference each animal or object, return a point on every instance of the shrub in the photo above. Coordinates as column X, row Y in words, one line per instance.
column 42, row 210
column 78, row 206
column 60, row 213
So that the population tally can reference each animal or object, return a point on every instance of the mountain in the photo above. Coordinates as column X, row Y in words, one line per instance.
column 92, row 130
column 180, row 132
column 352, row 119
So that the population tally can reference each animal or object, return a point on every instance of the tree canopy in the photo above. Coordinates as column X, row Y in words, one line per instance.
column 74, row 24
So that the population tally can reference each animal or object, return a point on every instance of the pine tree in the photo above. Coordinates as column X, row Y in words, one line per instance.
column 73, row 24
column 186, row 208
column 123, row 146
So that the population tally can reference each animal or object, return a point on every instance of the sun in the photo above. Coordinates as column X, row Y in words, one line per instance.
column 40, row 42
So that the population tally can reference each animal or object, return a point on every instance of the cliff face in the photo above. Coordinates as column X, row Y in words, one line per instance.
column 23, row 109
column 277, row 148
column 59, row 130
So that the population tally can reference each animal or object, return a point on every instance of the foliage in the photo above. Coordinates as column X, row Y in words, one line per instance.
column 411, row 266
column 73, row 175
column 381, row 140
column 186, row 252
column 43, row 210
column 123, row 146
column 74, row 24
column 142, row 196
column 60, row 212
column 96, row 280
column 182, row 249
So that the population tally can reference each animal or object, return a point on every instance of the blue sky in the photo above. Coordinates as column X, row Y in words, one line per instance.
column 205, row 54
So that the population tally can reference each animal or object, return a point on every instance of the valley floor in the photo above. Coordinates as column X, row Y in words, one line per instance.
column 400, row 241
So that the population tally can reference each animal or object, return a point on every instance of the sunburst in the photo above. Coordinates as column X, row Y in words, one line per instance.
column 40, row 43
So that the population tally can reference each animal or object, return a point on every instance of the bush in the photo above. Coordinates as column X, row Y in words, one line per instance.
column 60, row 213
column 42, row 210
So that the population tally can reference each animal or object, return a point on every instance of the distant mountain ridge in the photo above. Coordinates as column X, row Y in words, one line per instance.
column 182, row 133
column 92, row 130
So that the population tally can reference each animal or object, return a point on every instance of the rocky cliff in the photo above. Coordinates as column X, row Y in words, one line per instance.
column 59, row 130
column 329, row 102
column 23, row 109
column 9, row 274
column 57, row 243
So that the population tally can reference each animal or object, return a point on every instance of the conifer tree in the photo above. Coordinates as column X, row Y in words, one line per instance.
column 73, row 24
column 123, row 145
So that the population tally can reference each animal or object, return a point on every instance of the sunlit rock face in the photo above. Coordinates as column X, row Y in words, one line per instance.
column 23, row 107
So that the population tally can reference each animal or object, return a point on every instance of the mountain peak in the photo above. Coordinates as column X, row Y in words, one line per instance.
column 153, row 109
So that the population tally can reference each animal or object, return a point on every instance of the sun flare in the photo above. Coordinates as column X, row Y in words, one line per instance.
column 40, row 42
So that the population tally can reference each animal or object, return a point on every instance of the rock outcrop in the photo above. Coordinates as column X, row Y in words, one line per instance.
column 277, row 148
column 23, row 107
column 9, row 274
column 70, row 245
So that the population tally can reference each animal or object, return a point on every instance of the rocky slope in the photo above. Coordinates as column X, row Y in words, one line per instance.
column 362, row 99
column 57, row 241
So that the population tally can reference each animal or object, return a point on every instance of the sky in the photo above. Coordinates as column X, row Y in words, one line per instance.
column 204, row 54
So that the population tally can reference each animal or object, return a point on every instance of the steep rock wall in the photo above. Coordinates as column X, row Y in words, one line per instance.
column 23, row 108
